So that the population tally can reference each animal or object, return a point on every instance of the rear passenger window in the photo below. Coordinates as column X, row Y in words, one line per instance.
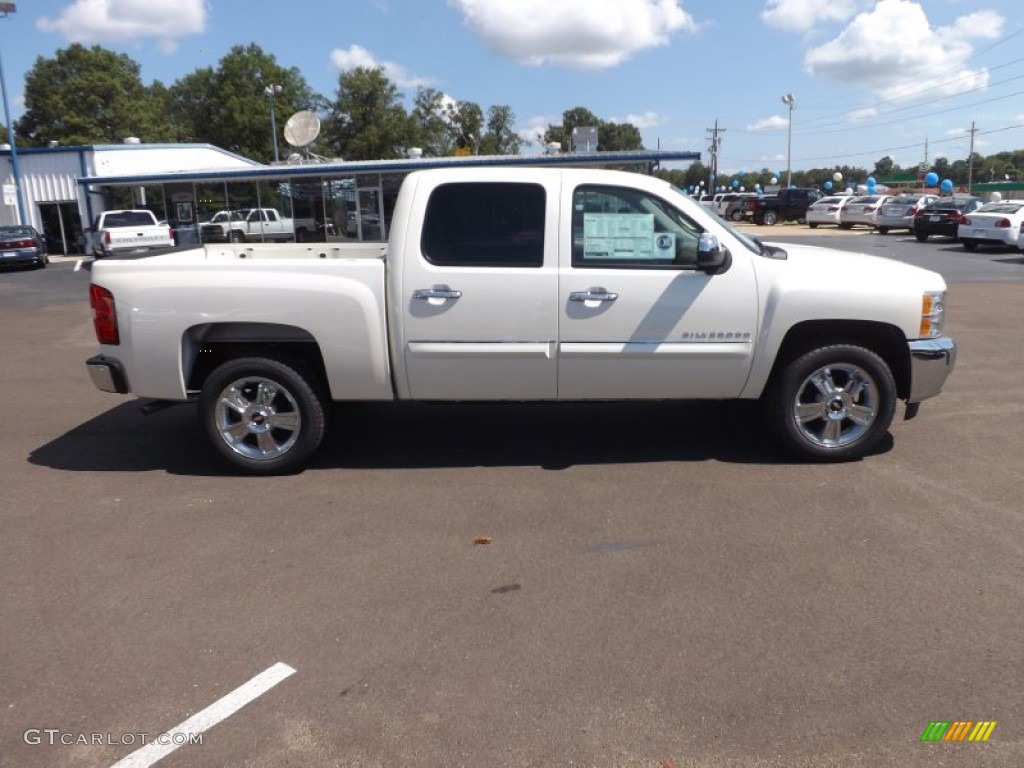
column 485, row 225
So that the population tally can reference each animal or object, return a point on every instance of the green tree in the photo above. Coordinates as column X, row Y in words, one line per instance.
column 367, row 120
column 465, row 125
column 430, row 123
column 87, row 96
column 501, row 138
column 229, row 107
column 611, row 136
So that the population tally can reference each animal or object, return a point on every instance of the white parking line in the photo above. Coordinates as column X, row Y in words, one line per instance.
column 78, row 265
column 207, row 718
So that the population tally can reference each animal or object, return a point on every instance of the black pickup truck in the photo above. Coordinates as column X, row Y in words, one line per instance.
column 786, row 205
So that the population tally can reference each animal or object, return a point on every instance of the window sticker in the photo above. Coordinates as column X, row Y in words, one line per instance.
column 624, row 236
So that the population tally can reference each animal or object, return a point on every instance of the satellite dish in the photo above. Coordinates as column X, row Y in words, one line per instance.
column 302, row 128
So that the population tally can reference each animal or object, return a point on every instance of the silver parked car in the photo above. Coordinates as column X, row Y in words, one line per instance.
column 900, row 212
column 827, row 210
column 863, row 210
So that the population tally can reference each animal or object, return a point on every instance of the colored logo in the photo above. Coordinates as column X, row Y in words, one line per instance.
column 958, row 730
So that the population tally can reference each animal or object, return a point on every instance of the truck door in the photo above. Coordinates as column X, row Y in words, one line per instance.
column 478, row 293
column 637, row 318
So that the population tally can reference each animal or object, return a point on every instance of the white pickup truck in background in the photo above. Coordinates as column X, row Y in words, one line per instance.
column 127, row 232
column 523, row 284
column 255, row 225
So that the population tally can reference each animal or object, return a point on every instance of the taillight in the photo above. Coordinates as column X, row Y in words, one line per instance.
column 869, row 209
column 833, row 208
column 106, row 237
column 957, row 216
column 965, row 221
column 912, row 211
column 104, row 315
column 1003, row 224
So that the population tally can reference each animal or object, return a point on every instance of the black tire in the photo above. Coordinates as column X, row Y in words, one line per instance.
column 736, row 216
column 813, row 225
column 770, row 218
column 262, row 415
column 883, row 230
column 235, row 236
column 969, row 245
column 813, row 414
column 921, row 236
column 846, row 226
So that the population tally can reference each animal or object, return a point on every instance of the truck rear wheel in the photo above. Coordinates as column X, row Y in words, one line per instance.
column 262, row 415
column 833, row 403
column 770, row 217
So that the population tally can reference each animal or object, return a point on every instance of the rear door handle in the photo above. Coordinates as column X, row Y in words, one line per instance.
column 593, row 296
column 436, row 293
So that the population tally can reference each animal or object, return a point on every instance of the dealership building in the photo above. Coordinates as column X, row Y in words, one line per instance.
column 63, row 189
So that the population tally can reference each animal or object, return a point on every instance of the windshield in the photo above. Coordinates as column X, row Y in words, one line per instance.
column 14, row 232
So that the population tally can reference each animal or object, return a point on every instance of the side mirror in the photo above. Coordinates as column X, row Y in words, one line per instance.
column 711, row 256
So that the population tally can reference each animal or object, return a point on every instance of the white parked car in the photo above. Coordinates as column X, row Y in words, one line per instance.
column 992, row 224
column 863, row 210
column 827, row 210
column 900, row 212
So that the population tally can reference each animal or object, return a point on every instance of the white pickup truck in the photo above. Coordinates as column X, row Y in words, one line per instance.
column 255, row 225
column 523, row 284
column 127, row 232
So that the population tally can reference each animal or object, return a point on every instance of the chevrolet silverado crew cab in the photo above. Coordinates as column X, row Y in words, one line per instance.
column 523, row 284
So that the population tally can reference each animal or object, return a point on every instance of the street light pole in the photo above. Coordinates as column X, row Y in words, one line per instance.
column 789, row 100
column 271, row 91
column 6, row 9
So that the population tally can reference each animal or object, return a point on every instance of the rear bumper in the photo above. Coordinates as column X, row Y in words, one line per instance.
column 931, row 362
column 107, row 374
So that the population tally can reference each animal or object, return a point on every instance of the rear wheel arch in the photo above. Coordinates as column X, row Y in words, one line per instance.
column 206, row 347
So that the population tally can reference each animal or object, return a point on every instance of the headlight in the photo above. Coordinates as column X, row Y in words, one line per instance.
column 933, row 311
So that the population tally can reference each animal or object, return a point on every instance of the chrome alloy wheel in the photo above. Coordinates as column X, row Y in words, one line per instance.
column 257, row 418
column 836, row 405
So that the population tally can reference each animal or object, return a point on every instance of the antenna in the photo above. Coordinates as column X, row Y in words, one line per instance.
column 302, row 128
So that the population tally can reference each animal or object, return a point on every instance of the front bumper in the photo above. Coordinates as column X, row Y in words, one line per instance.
column 107, row 374
column 931, row 362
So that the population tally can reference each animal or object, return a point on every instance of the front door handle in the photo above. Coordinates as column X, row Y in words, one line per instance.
column 436, row 293
column 593, row 295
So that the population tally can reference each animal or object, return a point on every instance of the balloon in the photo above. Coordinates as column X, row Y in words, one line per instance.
column 741, row 174
column 828, row 186
column 743, row 189
column 760, row 191
column 757, row 186
column 931, row 179
column 871, row 181
column 774, row 180
column 735, row 183
column 837, row 176
column 947, row 185
column 995, row 197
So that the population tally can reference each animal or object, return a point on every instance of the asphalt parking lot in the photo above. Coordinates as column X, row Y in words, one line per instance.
column 574, row 585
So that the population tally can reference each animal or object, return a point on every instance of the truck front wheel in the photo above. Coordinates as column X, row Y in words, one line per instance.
column 236, row 236
column 833, row 403
column 770, row 217
column 262, row 415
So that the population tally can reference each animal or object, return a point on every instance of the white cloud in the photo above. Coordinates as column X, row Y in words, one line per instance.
column 804, row 15
column 865, row 113
column 894, row 51
column 357, row 56
column 533, row 129
column 167, row 21
column 646, row 120
column 773, row 123
column 580, row 35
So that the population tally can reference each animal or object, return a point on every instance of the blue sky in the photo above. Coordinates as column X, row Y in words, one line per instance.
column 870, row 77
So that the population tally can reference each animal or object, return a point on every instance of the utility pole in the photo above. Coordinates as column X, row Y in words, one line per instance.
column 970, row 162
column 6, row 9
column 716, row 143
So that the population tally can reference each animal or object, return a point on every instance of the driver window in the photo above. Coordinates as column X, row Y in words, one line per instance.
column 622, row 227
